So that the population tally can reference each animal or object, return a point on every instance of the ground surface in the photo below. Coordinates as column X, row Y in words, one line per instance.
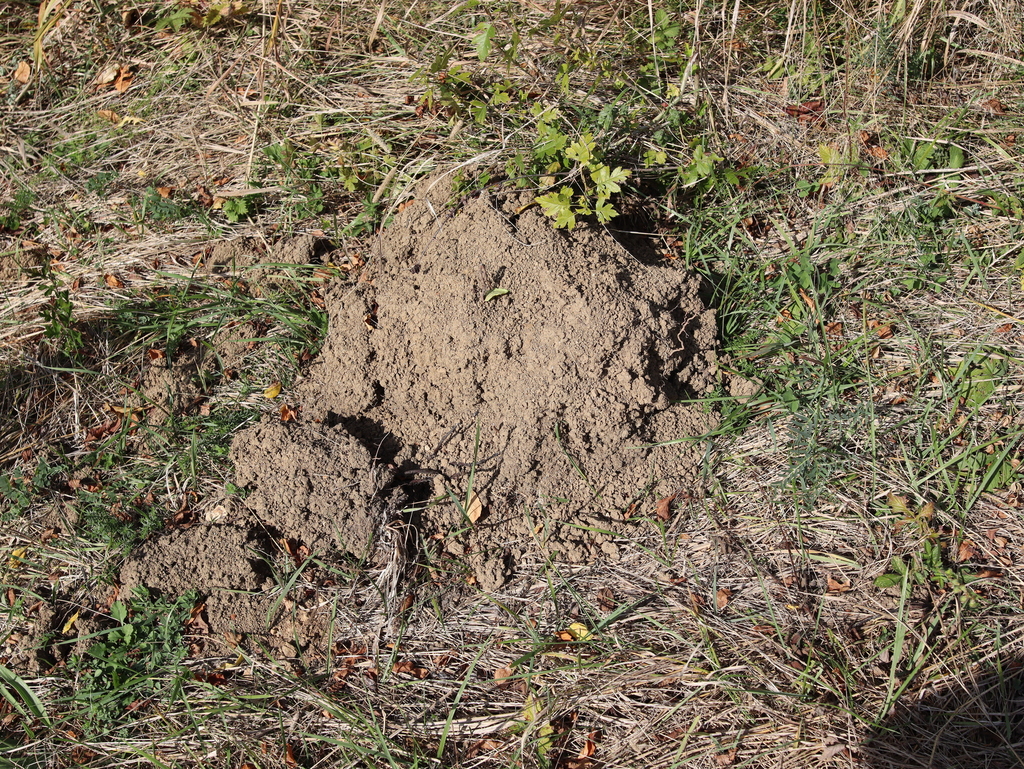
column 573, row 386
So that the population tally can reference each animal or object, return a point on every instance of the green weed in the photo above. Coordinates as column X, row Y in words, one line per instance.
column 132, row 667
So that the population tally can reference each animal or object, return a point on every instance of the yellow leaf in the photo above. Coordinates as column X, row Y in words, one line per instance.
column 475, row 508
column 578, row 631
column 70, row 623
column 273, row 391
column 17, row 554
column 23, row 72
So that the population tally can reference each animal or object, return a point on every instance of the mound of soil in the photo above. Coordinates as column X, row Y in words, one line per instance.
column 487, row 358
column 489, row 384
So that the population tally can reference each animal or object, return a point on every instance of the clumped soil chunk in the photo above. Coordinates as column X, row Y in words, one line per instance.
column 481, row 339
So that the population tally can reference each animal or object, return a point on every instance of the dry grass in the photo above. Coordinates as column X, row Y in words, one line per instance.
column 862, row 285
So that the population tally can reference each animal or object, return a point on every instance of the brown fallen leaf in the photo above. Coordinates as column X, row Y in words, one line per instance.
column 664, row 509
column 605, row 599
column 989, row 574
column 113, row 281
column 154, row 354
column 203, row 196
column 502, row 677
column 879, row 153
column 165, row 192
column 288, row 414
column 123, row 80
column 838, row 586
column 289, row 755
column 808, row 111
column 23, row 72
column 109, row 115
column 475, row 508
column 966, row 551
column 411, row 668
column 722, row 597
column 482, row 746
column 728, row 758
column 994, row 106
column 106, row 76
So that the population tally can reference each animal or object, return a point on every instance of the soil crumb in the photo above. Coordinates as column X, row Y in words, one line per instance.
column 514, row 374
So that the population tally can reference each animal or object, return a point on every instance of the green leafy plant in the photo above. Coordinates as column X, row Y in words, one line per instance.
column 928, row 565
column 600, row 182
column 137, row 662
column 239, row 208
column 58, row 315
column 16, row 210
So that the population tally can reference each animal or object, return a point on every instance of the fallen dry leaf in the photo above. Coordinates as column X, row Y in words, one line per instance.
column 966, row 551
column 113, row 281
column 475, row 508
column 879, row 153
column 837, row 586
column 728, row 758
column 483, row 745
column 109, row 115
column 605, row 599
column 154, row 354
column 165, row 192
column 203, row 196
column 288, row 414
column 502, row 676
column 664, row 509
column 808, row 111
column 408, row 666
column 289, row 755
column 107, row 75
column 994, row 106
column 23, row 72
column 722, row 597
column 989, row 574
column 124, row 80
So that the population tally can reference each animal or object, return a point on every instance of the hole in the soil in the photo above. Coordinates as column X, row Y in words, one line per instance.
column 382, row 444
column 630, row 233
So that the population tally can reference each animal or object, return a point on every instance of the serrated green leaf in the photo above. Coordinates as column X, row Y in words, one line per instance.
column 604, row 211
column 607, row 180
column 482, row 39
column 582, row 150
column 558, row 205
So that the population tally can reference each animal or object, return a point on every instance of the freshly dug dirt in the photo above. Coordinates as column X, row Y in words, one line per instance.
column 490, row 386
column 503, row 367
